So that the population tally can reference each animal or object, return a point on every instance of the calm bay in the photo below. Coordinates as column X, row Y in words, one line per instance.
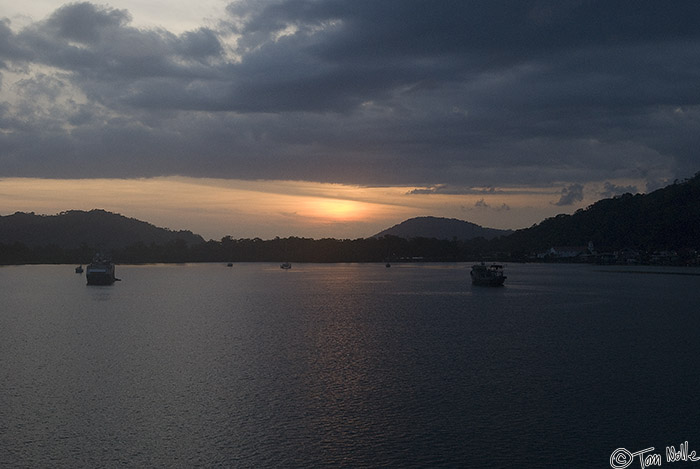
column 346, row 365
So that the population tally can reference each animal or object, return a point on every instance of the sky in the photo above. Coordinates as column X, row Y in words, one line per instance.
column 340, row 118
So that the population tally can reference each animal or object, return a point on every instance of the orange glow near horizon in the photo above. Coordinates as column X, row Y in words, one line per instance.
column 338, row 210
column 215, row 208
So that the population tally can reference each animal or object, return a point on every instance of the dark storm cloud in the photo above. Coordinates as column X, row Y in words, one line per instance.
column 570, row 195
column 84, row 23
column 457, row 190
column 481, row 203
column 437, row 94
column 611, row 189
column 202, row 43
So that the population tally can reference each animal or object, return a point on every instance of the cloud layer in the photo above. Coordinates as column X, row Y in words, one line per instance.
column 432, row 94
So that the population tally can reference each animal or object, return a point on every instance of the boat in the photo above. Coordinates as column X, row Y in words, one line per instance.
column 488, row 276
column 100, row 271
column 285, row 266
column 79, row 269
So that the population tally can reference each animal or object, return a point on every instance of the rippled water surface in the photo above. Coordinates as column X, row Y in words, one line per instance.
column 345, row 365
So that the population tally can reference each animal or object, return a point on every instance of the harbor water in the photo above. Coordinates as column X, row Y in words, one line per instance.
column 347, row 365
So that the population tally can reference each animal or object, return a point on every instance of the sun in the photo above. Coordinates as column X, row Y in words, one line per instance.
column 338, row 209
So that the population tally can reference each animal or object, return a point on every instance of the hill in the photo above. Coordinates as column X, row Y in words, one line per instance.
column 96, row 229
column 441, row 228
column 666, row 219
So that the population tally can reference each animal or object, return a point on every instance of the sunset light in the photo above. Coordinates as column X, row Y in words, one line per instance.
column 158, row 111
column 338, row 210
column 323, row 233
column 216, row 208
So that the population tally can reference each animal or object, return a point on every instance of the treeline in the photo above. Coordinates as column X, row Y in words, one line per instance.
column 75, row 228
column 293, row 249
column 667, row 219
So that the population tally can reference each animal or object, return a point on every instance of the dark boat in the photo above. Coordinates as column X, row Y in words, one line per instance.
column 79, row 269
column 285, row 266
column 487, row 276
column 100, row 271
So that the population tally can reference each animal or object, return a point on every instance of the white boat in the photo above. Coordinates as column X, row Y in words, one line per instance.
column 100, row 271
column 488, row 276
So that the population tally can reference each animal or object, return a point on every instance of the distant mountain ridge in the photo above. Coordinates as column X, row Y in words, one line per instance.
column 667, row 218
column 666, row 221
column 441, row 228
column 96, row 229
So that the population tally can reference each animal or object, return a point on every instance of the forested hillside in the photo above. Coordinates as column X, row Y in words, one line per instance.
column 95, row 229
column 668, row 218
column 441, row 228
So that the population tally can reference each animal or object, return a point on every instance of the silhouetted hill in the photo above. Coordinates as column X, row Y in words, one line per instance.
column 668, row 218
column 95, row 229
column 441, row 228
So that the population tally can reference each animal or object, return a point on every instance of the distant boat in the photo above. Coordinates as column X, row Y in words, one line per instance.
column 230, row 264
column 100, row 271
column 79, row 269
column 285, row 266
column 488, row 276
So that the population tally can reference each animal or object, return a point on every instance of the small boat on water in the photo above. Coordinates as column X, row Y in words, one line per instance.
column 488, row 276
column 100, row 271
column 285, row 266
column 79, row 269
